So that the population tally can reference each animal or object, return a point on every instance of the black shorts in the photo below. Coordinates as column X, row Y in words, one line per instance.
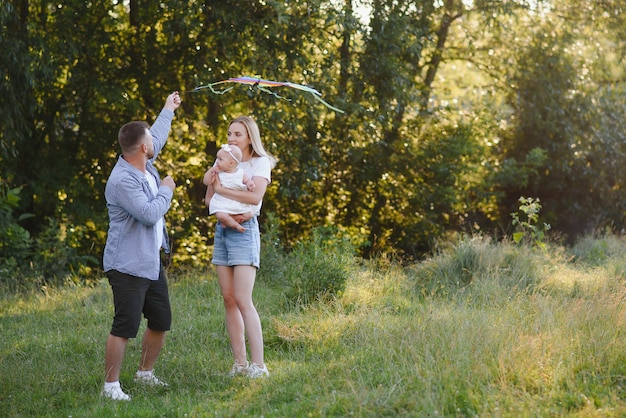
column 133, row 296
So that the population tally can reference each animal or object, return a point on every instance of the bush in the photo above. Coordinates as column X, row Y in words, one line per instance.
column 31, row 262
column 15, row 241
column 595, row 251
column 55, row 256
column 478, row 263
column 273, row 256
column 317, row 269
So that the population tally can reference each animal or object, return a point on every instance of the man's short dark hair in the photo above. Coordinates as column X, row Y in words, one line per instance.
column 130, row 135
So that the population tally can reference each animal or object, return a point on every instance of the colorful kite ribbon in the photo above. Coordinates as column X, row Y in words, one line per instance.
column 263, row 86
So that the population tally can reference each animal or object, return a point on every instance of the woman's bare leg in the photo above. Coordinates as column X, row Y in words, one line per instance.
column 234, row 319
column 243, row 279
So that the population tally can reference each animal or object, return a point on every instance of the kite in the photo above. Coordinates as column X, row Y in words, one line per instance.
column 264, row 86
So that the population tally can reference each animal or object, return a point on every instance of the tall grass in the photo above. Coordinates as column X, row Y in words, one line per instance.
column 479, row 329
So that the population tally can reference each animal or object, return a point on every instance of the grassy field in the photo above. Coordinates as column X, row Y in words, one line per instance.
column 479, row 329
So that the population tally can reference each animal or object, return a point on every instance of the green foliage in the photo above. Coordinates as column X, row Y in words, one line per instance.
column 554, row 103
column 476, row 263
column 605, row 154
column 597, row 250
column 453, row 110
column 315, row 270
column 50, row 258
column 515, row 173
column 15, row 241
column 273, row 252
column 18, row 107
column 56, row 259
column 528, row 229
column 318, row 269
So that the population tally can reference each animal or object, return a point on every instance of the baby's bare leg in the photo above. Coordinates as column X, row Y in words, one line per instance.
column 227, row 220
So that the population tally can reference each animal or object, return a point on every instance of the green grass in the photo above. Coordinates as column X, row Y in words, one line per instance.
column 480, row 329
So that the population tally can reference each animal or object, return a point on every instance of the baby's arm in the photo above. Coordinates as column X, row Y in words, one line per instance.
column 209, row 178
column 208, row 195
column 210, row 175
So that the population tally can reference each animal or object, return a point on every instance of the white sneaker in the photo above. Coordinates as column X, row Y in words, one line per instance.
column 149, row 379
column 238, row 369
column 255, row 371
column 116, row 393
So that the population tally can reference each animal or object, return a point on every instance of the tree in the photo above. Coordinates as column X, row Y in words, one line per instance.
column 450, row 115
column 554, row 96
column 16, row 86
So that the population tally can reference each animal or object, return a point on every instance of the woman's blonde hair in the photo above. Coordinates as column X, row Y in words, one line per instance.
column 255, row 138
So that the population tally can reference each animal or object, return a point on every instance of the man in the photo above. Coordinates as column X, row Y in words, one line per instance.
column 137, row 201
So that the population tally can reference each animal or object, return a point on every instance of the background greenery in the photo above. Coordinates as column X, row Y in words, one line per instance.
column 453, row 111
column 478, row 329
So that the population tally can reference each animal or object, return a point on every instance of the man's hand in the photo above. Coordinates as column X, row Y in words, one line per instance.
column 173, row 101
column 169, row 182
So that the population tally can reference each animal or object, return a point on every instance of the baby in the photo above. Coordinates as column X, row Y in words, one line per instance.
column 231, row 177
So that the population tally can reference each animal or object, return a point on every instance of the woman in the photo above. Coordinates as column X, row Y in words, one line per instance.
column 237, row 254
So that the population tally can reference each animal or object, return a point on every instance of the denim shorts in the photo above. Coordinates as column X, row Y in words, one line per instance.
column 234, row 248
column 133, row 296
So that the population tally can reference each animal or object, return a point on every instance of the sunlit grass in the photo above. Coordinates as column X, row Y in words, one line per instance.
column 481, row 329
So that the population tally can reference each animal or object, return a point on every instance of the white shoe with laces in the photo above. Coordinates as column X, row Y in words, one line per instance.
column 115, row 392
column 238, row 369
column 149, row 379
column 255, row 371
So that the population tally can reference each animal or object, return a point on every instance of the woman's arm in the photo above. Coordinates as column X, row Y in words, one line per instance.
column 253, row 197
column 249, row 183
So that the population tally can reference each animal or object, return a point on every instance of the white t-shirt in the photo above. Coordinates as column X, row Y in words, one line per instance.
column 159, row 224
column 257, row 167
